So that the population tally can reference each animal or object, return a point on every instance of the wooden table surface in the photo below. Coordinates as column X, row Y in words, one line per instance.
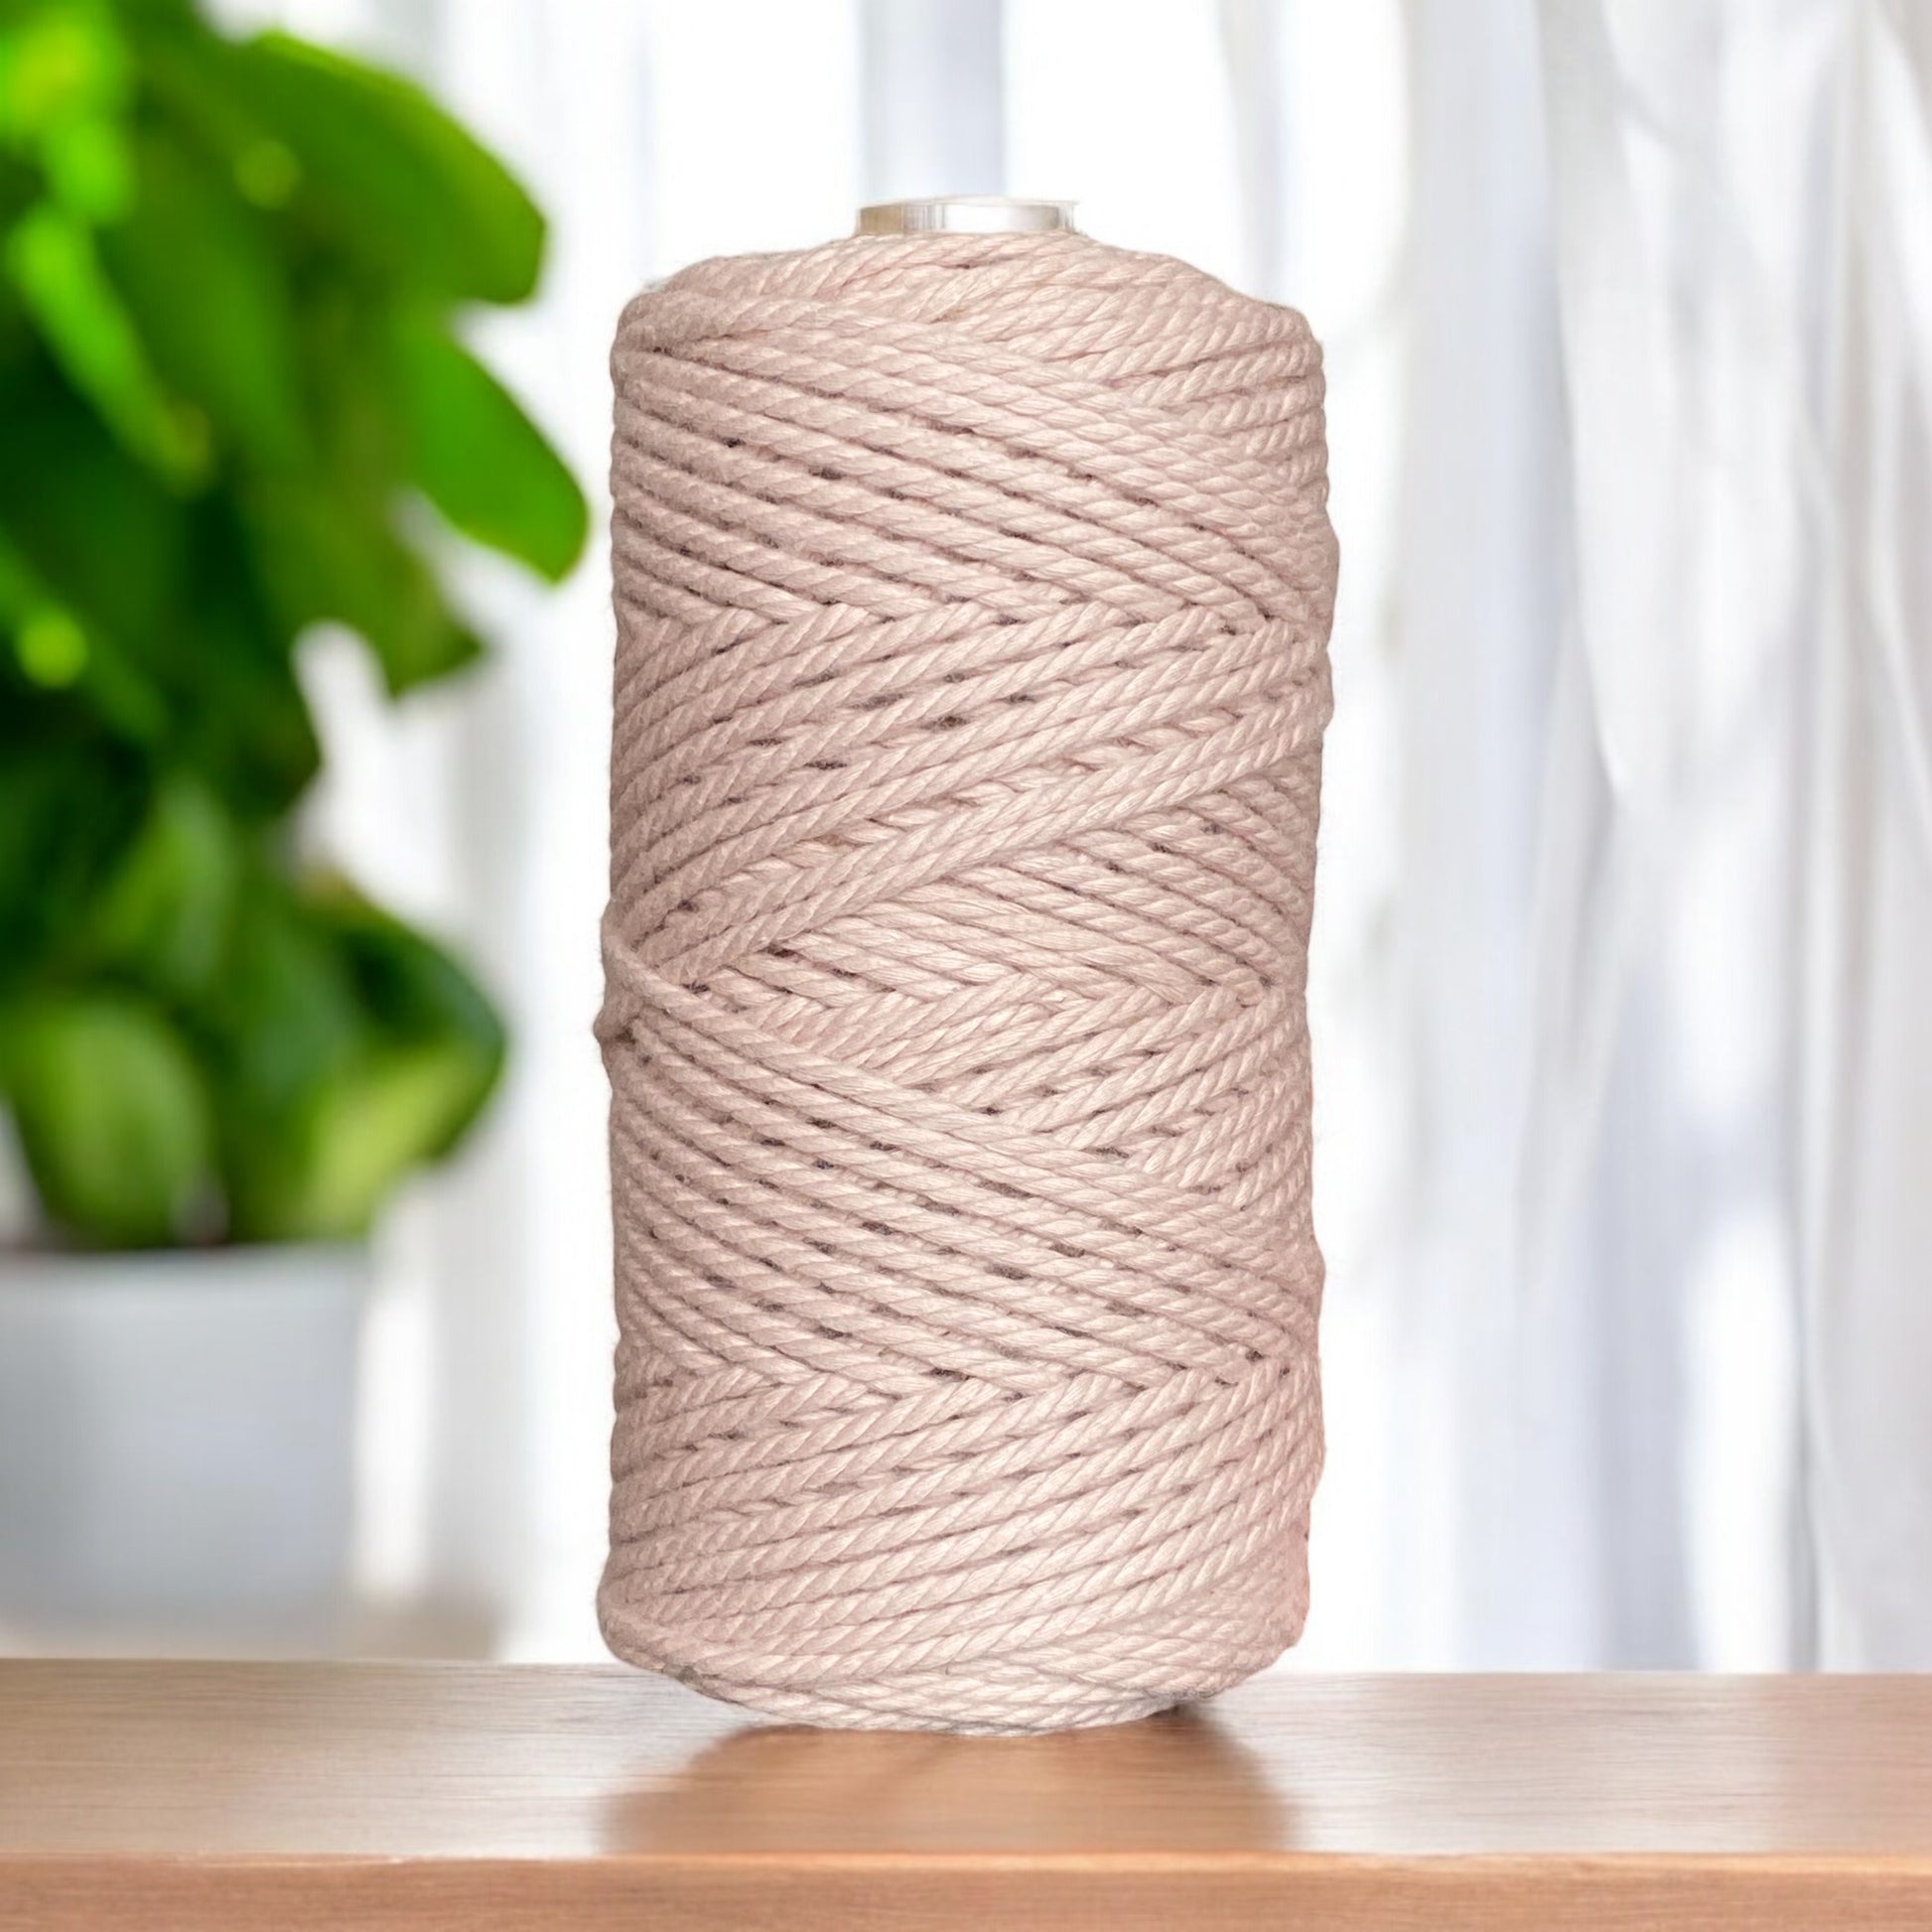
column 307, row 1796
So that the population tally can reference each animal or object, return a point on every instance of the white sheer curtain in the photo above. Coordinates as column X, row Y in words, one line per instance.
column 1624, row 1065
column 1865, row 1124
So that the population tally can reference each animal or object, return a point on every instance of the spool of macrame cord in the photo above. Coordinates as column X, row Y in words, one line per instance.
column 973, row 595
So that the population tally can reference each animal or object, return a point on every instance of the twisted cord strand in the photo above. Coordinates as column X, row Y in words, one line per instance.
column 973, row 599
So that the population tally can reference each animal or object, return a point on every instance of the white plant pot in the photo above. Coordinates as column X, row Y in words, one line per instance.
column 177, row 1441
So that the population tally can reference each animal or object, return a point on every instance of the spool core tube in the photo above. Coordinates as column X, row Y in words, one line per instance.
column 966, row 214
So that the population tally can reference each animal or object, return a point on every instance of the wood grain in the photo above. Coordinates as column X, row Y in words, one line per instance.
column 237, row 1796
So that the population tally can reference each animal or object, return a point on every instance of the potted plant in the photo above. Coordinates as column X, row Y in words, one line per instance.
column 229, row 274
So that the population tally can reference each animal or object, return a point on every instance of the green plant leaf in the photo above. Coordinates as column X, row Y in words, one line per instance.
column 54, row 649
column 210, row 680
column 166, row 914
column 50, row 641
column 326, row 534
column 286, row 1016
column 396, row 181
column 70, row 497
column 51, row 259
column 226, row 660
column 100, row 531
column 207, row 295
column 415, row 997
column 358, row 1051
column 433, row 1053
column 90, row 170
column 283, row 1028
column 373, row 1126
column 478, row 459
column 70, row 803
column 197, row 81
column 20, row 189
column 112, row 1116
column 331, row 561
column 59, row 64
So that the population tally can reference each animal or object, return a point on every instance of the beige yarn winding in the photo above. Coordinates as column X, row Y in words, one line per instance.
column 973, row 596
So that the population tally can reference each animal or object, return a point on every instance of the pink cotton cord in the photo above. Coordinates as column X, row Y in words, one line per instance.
column 973, row 598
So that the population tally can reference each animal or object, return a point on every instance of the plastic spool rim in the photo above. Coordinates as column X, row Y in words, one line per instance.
column 967, row 214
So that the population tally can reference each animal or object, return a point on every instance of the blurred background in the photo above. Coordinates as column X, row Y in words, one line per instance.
column 1624, row 924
